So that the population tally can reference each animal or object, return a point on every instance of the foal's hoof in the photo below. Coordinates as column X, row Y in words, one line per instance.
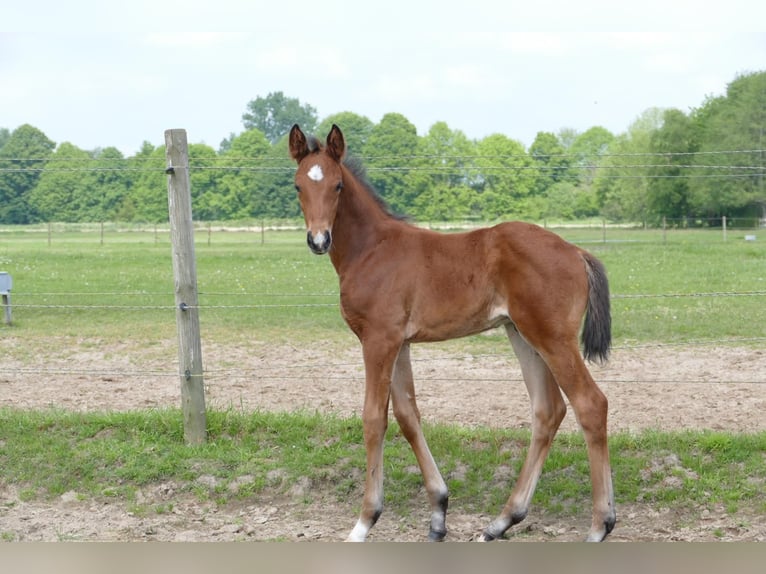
column 436, row 535
column 600, row 535
column 485, row 537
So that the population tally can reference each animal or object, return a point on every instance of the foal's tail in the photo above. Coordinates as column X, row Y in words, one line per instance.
column 596, row 334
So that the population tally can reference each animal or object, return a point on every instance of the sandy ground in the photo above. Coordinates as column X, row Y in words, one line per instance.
column 705, row 387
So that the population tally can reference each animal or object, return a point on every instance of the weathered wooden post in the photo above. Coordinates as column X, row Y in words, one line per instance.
column 185, row 275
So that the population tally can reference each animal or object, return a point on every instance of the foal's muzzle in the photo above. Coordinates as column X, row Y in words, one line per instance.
column 319, row 243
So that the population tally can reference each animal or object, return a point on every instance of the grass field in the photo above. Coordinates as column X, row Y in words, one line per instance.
column 665, row 288
column 677, row 287
column 111, row 455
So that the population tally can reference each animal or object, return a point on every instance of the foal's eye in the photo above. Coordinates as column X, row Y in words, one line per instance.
column 298, row 188
column 339, row 186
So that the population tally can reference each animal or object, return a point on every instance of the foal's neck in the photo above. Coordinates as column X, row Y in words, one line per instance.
column 359, row 222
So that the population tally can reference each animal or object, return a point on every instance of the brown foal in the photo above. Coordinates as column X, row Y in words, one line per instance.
column 400, row 284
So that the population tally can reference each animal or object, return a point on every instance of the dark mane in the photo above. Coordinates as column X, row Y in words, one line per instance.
column 313, row 144
column 355, row 166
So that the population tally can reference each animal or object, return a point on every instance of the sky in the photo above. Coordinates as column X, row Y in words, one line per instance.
column 99, row 74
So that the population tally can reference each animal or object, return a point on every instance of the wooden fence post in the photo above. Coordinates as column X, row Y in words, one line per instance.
column 185, row 275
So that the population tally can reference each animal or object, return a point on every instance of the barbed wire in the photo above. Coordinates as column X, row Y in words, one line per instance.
column 258, row 375
column 298, row 372
column 293, row 371
column 169, row 307
column 754, row 170
column 229, row 158
column 273, row 224
column 679, row 295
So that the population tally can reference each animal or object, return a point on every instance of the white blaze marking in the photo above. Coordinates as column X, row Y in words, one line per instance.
column 316, row 173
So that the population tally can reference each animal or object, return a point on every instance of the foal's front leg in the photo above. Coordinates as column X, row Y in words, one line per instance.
column 408, row 416
column 379, row 359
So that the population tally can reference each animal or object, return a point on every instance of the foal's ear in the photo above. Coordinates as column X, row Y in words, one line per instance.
column 336, row 146
column 298, row 146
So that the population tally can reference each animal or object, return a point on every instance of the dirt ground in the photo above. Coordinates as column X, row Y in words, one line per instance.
column 704, row 387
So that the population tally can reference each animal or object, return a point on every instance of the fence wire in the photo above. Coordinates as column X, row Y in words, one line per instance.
column 288, row 372
column 255, row 306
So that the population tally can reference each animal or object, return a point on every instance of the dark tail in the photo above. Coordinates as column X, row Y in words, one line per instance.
column 597, row 330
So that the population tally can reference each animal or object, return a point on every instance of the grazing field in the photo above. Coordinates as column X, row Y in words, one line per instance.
column 668, row 287
column 88, row 377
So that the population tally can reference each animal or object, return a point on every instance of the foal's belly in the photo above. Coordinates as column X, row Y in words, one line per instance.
column 454, row 323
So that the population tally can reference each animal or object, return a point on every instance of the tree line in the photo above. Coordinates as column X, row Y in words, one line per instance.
column 704, row 163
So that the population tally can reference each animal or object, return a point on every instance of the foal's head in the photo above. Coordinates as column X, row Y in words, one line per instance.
column 319, row 182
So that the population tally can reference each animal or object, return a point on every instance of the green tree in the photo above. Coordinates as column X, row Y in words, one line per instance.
column 668, row 185
column 80, row 185
column 734, row 122
column 22, row 159
column 111, row 183
column 567, row 137
column 60, row 191
column 390, row 153
column 5, row 135
column 356, row 129
column 275, row 114
column 255, row 177
column 208, row 200
column 621, row 187
column 587, row 151
column 280, row 183
column 561, row 201
column 148, row 198
column 507, row 178
column 444, row 176
column 552, row 162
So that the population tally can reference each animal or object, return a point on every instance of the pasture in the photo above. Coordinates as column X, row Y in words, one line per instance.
column 691, row 286
column 88, row 373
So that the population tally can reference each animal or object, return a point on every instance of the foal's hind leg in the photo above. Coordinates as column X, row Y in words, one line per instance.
column 408, row 416
column 548, row 411
column 590, row 407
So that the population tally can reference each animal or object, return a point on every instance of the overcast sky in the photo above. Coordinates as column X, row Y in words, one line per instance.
column 99, row 74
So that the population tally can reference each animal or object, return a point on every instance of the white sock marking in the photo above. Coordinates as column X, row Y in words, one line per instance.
column 359, row 533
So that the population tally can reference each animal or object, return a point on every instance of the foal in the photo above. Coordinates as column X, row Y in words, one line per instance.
column 400, row 284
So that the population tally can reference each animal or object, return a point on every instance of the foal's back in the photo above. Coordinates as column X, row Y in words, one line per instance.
column 439, row 286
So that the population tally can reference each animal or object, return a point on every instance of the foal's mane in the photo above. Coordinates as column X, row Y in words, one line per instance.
column 355, row 166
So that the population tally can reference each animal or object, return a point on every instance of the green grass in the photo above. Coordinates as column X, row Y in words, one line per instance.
column 278, row 291
column 109, row 456
column 129, row 283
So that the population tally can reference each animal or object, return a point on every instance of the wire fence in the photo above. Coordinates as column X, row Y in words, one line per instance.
column 704, row 165
column 86, row 306
column 269, row 231
column 286, row 370
column 744, row 163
